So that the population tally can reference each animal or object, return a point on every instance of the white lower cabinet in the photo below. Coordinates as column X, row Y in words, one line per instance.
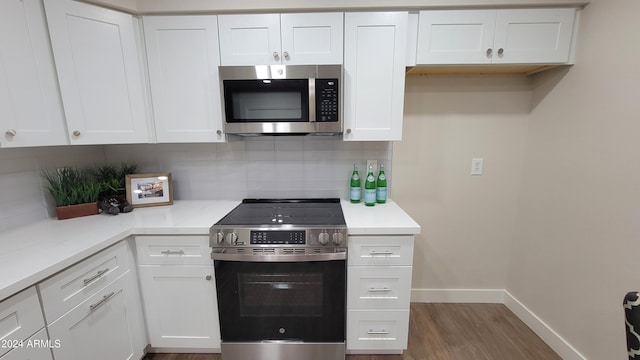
column 100, row 328
column 378, row 293
column 179, row 293
column 20, row 318
column 37, row 347
column 377, row 331
column 103, row 321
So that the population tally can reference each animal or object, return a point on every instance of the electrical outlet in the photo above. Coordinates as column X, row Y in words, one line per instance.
column 374, row 164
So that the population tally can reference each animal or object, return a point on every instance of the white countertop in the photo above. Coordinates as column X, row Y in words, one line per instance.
column 381, row 219
column 35, row 252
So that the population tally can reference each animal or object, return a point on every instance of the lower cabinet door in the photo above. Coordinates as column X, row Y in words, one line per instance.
column 100, row 328
column 37, row 347
column 180, row 306
column 377, row 330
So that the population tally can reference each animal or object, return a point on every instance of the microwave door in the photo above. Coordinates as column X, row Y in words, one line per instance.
column 267, row 101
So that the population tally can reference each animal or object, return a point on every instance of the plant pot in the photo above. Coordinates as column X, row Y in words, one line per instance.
column 74, row 211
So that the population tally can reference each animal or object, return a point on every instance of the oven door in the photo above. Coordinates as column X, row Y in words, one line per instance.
column 281, row 301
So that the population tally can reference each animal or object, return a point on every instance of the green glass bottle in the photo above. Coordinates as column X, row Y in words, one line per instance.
column 355, row 192
column 370, row 188
column 381, row 187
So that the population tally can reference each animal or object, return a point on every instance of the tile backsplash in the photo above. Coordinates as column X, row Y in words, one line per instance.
column 281, row 166
column 23, row 197
column 256, row 167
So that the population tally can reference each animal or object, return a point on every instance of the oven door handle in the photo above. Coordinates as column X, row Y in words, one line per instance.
column 220, row 255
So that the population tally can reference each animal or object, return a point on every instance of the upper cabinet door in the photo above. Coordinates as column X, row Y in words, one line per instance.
column 533, row 36
column 30, row 109
column 100, row 73
column 250, row 39
column 183, row 57
column 522, row 36
column 312, row 38
column 374, row 66
column 456, row 36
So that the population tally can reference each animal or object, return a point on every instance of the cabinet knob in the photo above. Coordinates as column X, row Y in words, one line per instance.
column 286, row 55
column 219, row 132
column 208, row 277
column 489, row 52
column 11, row 133
column 76, row 133
column 348, row 131
column 276, row 56
column 500, row 52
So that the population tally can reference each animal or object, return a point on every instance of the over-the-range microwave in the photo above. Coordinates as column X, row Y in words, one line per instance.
column 282, row 99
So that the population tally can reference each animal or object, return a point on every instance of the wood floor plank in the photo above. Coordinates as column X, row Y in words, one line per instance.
column 451, row 332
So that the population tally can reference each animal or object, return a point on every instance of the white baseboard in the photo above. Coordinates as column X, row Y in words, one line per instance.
column 485, row 296
column 546, row 333
column 501, row 296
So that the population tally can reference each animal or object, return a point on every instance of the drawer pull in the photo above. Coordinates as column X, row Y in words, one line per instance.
column 95, row 277
column 173, row 252
column 381, row 253
column 382, row 332
column 384, row 289
column 104, row 299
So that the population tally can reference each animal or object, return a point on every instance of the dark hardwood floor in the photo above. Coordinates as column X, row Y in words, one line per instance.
column 451, row 332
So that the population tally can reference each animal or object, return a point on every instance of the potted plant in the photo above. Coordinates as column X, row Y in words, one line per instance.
column 112, row 179
column 74, row 190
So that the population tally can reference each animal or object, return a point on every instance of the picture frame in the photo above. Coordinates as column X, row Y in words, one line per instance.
column 153, row 189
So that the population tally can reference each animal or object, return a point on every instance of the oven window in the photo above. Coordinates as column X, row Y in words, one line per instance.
column 278, row 100
column 295, row 295
column 302, row 301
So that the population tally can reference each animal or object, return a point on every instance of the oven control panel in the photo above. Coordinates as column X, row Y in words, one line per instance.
column 279, row 237
column 310, row 237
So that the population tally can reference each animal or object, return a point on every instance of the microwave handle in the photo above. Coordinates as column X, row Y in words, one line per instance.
column 312, row 100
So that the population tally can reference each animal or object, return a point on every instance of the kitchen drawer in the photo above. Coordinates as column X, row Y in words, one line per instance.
column 20, row 317
column 380, row 250
column 100, row 327
column 178, row 250
column 29, row 351
column 378, row 287
column 377, row 330
column 70, row 287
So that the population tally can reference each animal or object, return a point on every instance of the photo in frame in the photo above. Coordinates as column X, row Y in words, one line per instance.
column 149, row 189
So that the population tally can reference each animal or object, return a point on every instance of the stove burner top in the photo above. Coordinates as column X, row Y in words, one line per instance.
column 299, row 212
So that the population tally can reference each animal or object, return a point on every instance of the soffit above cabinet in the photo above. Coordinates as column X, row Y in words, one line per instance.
column 240, row 6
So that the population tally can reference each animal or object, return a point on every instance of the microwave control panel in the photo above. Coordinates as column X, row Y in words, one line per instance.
column 327, row 100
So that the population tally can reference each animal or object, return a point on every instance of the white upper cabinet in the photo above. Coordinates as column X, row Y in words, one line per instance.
column 374, row 73
column 312, row 38
column 99, row 70
column 522, row 36
column 183, row 58
column 30, row 109
column 290, row 39
column 534, row 36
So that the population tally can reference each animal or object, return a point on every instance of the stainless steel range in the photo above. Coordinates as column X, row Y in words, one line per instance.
column 281, row 279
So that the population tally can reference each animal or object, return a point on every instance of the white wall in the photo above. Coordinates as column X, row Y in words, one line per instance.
column 577, row 246
column 467, row 221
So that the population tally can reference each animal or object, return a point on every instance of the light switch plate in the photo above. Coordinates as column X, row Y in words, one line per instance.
column 477, row 166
